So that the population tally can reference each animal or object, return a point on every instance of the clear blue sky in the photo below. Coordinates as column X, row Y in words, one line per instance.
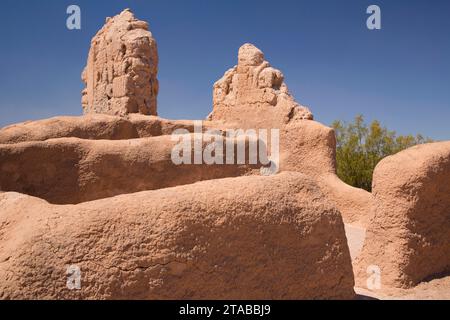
column 332, row 63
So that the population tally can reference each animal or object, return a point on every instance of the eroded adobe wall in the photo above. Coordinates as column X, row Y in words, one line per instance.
column 273, row 237
column 122, row 67
column 409, row 234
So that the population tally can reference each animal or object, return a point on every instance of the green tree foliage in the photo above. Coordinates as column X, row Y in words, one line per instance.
column 360, row 147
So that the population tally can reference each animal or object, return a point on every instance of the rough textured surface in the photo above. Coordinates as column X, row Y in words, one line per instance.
column 254, row 95
column 93, row 127
column 309, row 147
column 121, row 71
column 435, row 289
column 239, row 238
column 305, row 146
column 409, row 233
column 71, row 170
column 355, row 204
